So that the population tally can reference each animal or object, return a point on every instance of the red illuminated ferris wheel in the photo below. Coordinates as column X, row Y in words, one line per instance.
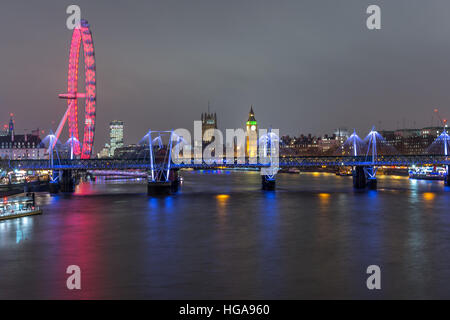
column 81, row 35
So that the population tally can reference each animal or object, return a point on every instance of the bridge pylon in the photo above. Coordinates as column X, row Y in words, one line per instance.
column 269, row 154
column 366, row 175
column 162, row 178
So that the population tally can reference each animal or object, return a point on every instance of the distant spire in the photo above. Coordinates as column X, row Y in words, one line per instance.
column 11, row 125
column 251, row 115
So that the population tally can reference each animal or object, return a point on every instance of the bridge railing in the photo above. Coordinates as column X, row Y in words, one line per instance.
column 284, row 161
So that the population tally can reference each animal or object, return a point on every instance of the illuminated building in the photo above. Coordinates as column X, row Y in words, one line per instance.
column 11, row 127
column 131, row 151
column 116, row 136
column 341, row 135
column 21, row 146
column 209, row 121
column 104, row 153
column 328, row 144
column 411, row 141
column 252, row 135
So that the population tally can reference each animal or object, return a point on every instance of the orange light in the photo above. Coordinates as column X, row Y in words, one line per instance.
column 429, row 196
column 222, row 197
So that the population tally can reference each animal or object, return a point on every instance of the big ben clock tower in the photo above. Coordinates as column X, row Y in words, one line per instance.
column 252, row 135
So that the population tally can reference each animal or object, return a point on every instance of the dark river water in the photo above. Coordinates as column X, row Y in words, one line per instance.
column 222, row 237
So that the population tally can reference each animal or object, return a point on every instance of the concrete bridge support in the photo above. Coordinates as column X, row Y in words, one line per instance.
column 372, row 183
column 364, row 177
column 164, row 187
column 447, row 177
column 371, row 176
column 66, row 181
column 53, row 185
column 268, row 182
column 359, row 178
column 447, row 181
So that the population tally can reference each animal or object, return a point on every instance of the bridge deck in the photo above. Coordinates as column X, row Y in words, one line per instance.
column 284, row 162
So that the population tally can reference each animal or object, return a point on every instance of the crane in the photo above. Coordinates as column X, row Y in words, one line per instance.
column 443, row 121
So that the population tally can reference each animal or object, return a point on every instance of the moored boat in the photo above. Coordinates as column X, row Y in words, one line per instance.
column 18, row 206
column 427, row 173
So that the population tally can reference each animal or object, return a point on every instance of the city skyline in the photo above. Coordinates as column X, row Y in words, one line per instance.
column 327, row 133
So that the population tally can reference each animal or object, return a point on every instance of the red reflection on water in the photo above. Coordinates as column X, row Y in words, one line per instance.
column 80, row 225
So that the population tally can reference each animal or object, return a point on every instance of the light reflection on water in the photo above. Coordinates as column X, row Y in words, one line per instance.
column 223, row 237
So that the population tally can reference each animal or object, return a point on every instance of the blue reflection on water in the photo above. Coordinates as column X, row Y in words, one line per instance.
column 268, row 216
column 153, row 204
column 168, row 204
column 19, row 235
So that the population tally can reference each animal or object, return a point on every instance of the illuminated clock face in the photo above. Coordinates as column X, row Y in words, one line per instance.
column 253, row 128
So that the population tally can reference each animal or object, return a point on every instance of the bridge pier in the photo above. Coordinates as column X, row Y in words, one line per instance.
column 268, row 182
column 174, row 177
column 371, row 176
column 66, row 181
column 53, row 185
column 372, row 183
column 359, row 178
column 447, row 178
column 164, row 187
column 364, row 177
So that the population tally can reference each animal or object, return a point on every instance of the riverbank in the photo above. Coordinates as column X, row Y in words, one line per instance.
column 12, row 189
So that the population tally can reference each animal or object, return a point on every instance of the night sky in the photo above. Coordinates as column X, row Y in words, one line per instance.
column 306, row 66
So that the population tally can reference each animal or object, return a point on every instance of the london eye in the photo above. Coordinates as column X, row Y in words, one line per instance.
column 81, row 38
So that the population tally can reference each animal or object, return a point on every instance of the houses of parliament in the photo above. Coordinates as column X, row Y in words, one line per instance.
column 209, row 121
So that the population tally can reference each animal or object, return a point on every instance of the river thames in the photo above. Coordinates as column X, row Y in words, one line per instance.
column 221, row 237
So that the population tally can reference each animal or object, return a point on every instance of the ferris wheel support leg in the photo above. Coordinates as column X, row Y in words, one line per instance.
column 61, row 124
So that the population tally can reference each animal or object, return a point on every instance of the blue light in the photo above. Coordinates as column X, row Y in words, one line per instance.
column 353, row 142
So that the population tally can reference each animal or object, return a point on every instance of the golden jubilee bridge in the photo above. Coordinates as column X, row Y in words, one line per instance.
column 193, row 163
column 163, row 173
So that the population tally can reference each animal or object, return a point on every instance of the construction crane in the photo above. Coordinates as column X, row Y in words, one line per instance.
column 443, row 121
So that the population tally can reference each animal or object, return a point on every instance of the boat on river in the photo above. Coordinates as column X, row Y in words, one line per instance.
column 19, row 206
column 427, row 173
